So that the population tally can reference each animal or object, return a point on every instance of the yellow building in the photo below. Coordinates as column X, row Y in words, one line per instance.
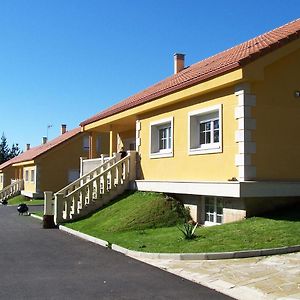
column 221, row 134
column 51, row 165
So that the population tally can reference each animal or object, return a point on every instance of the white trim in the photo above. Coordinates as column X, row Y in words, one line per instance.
column 208, row 148
column 247, row 147
column 32, row 194
column 241, row 112
column 246, row 123
column 243, row 159
column 250, row 170
column 165, row 152
column 138, row 125
column 235, row 189
column 243, row 136
column 209, row 224
column 222, row 189
column 137, row 135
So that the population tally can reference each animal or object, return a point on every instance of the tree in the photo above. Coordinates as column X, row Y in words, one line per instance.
column 15, row 151
column 4, row 150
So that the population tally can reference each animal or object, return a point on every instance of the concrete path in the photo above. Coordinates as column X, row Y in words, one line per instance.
column 37, row 263
column 273, row 277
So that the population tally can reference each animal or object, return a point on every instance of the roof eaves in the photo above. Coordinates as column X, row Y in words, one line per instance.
column 188, row 83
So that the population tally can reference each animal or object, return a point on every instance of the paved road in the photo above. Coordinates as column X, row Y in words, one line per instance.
column 38, row 263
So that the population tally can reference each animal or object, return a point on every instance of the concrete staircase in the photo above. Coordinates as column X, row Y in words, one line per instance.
column 12, row 190
column 93, row 190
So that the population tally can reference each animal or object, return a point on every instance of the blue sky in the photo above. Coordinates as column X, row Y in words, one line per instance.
column 63, row 61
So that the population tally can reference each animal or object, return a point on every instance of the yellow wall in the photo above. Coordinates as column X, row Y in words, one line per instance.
column 182, row 166
column 54, row 166
column 277, row 114
column 29, row 184
column 1, row 181
column 104, row 149
column 124, row 137
column 7, row 174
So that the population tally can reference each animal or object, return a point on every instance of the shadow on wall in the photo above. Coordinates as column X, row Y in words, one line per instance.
column 290, row 212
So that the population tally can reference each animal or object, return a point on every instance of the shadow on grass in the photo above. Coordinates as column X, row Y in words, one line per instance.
column 117, row 199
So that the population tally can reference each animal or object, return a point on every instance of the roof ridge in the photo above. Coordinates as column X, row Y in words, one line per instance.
column 217, row 64
column 38, row 150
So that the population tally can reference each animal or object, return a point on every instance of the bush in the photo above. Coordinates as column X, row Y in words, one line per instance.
column 188, row 230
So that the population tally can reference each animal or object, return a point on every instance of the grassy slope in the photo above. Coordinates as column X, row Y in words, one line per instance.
column 141, row 221
column 21, row 199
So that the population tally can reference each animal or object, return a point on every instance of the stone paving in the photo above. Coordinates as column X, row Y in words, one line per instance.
column 271, row 277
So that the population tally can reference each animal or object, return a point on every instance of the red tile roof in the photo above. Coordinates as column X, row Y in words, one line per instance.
column 41, row 149
column 213, row 66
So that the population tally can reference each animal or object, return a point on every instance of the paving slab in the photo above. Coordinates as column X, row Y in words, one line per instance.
column 270, row 277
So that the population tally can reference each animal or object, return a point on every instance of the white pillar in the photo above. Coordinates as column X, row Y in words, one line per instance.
column 48, row 203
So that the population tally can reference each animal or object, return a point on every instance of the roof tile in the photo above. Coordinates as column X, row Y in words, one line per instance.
column 39, row 150
column 218, row 64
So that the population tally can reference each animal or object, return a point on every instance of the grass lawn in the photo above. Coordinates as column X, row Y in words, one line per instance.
column 21, row 199
column 38, row 213
column 149, row 222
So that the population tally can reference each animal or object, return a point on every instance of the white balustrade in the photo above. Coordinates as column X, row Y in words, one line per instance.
column 94, row 189
column 12, row 190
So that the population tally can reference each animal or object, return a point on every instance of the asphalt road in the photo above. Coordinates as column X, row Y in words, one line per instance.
column 38, row 263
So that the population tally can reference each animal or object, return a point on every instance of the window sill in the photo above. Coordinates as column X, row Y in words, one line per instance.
column 208, row 223
column 161, row 154
column 197, row 151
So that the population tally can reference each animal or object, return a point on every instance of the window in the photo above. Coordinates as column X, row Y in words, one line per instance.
column 1, row 178
column 161, row 138
column 213, row 210
column 205, row 134
column 165, row 137
column 32, row 175
column 26, row 175
column 86, row 143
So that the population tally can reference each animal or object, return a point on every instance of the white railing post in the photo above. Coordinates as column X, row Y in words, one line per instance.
column 58, row 208
column 48, row 203
column 132, row 165
column 48, row 218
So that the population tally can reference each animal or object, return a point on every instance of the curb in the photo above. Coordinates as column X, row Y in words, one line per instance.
column 36, row 217
column 182, row 256
column 84, row 236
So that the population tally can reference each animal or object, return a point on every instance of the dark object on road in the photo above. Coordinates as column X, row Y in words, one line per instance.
column 48, row 222
column 22, row 208
column 4, row 202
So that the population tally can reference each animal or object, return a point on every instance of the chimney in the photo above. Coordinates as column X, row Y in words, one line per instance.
column 178, row 62
column 63, row 128
column 27, row 147
column 44, row 140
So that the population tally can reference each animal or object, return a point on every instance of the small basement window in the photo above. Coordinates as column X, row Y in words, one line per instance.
column 213, row 210
column 205, row 130
column 161, row 138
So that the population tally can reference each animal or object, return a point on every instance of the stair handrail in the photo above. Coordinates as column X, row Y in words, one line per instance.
column 10, row 188
column 119, row 162
column 69, row 186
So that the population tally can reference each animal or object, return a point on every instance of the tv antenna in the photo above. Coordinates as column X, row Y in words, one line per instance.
column 48, row 127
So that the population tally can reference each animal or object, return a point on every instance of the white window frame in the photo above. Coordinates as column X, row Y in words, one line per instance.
column 154, row 134
column 194, row 119
column 26, row 175
column 32, row 178
column 215, row 213
column 86, row 143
